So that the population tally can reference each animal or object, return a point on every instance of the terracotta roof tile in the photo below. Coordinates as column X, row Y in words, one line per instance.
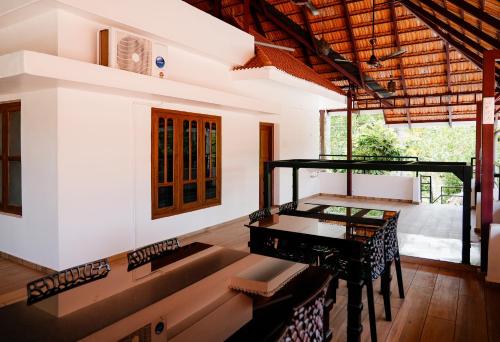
column 284, row 61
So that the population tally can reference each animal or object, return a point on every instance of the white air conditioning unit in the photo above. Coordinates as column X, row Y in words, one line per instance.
column 127, row 51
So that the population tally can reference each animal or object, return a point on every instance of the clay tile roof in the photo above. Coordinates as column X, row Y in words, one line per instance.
column 284, row 61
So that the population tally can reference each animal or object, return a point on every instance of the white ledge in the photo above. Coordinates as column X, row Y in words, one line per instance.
column 274, row 74
column 27, row 70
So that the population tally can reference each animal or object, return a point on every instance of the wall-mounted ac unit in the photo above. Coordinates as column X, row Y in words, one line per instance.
column 127, row 51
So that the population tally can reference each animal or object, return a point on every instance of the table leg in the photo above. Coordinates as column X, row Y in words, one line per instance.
column 354, row 308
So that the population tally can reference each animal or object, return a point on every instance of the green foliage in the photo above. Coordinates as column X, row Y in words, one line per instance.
column 439, row 143
column 376, row 139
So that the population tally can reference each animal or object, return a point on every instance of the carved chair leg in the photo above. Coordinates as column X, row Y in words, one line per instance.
column 386, row 290
column 399, row 275
column 371, row 311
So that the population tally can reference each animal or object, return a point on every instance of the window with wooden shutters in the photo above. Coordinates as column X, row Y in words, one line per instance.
column 185, row 162
column 10, row 158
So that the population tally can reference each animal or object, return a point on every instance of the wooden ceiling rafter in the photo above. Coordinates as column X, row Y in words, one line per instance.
column 479, row 13
column 401, row 62
column 414, row 77
column 305, row 18
column 298, row 33
column 448, row 80
column 347, row 20
column 446, row 36
column 461, row 23
column 429, row 66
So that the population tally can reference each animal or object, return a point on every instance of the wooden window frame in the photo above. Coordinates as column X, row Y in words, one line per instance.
column 5, row 110
column 179, row 206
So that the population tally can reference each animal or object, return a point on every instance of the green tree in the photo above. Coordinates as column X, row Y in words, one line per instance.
column 376, row 139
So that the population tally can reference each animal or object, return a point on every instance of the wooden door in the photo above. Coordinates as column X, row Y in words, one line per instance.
column 265, row 154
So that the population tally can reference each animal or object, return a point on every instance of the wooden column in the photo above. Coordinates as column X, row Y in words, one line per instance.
column 349, row 141
column 487, row 153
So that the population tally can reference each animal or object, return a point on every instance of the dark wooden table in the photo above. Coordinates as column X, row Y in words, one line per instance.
column 345, row 229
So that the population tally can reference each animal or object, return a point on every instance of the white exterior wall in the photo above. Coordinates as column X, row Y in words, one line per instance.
column 377, row 186
column 104, row 144
column 34, row 236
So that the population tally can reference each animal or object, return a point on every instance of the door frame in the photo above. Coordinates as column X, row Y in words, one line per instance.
column 271, row 125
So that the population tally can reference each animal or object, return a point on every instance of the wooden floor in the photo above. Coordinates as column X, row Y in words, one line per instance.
column 441, row 304
column 13, row 280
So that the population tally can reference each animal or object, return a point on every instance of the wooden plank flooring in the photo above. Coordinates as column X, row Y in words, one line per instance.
column 13, row 281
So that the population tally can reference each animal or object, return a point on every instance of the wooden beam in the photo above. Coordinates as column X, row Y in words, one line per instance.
column 246, row 15
column 217, row 8
column 462, row 23
column 305, row 18
column 479, row 13
column 257, row 23
column 446, row 36
column 401, row 63
column 448, row 80
column 352, row 40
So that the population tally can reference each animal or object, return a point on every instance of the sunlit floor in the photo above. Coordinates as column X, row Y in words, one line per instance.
column 432, row 231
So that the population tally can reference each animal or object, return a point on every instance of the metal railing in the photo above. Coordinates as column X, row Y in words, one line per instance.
column 426, row 187
column 448, row 195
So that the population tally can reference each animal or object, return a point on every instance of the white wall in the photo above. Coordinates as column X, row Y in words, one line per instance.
column 493, row 274
column 378, row 186
column 104, row 145
column 38, row 33
column 34, row 236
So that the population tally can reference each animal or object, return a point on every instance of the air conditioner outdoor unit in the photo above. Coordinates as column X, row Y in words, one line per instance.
column 127, row 51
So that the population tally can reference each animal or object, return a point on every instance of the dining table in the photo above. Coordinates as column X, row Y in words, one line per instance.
column 346, row 230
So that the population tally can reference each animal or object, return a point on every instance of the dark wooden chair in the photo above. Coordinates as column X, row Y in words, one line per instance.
column 259, row 215
column 391, row 247
column 299, row 311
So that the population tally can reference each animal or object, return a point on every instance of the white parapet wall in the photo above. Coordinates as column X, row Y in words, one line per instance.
column 493, row 274
column 377, row 186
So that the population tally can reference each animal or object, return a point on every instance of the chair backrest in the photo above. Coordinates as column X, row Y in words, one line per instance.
column 307, row 322
column 391, row 238
column 259, row 215
column 288, row 207
column 374, row 254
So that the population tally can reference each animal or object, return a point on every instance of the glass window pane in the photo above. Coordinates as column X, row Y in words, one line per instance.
column 14, row 134
column 194, row 149
column 190, row 193
column 170, row 150
column 210, row 189
column 14, row 183
column 161, row 150
column 214, row 150
column 207, row 149
column 185, row 149
column 165, row 196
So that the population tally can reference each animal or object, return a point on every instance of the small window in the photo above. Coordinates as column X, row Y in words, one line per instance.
column 10, row 158
column 185, row 162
